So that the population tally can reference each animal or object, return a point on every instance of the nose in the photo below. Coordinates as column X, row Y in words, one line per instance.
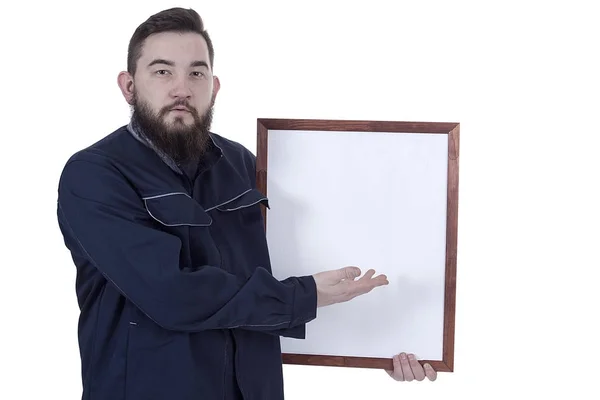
column 181, row 88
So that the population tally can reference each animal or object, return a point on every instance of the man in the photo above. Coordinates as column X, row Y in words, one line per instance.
column 163, row 221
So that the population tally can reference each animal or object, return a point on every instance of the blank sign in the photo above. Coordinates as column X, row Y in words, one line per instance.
column 380, row 195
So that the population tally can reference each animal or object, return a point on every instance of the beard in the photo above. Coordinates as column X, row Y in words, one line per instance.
column 183, row 143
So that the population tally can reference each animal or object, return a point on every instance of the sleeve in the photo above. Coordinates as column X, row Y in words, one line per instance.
column 298, row 331
column 100, row 215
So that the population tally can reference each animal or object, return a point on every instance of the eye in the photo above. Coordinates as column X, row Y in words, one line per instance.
column 162, row 72
column 199, row 74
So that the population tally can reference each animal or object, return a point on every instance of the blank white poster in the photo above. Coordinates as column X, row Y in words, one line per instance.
column 372, row 200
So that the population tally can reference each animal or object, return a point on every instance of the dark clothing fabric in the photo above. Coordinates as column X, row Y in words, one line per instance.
column 174, row 279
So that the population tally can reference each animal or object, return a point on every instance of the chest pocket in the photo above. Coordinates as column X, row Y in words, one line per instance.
column 182, row 216
column 239, row 229
column 176, row 209
column 245, row 208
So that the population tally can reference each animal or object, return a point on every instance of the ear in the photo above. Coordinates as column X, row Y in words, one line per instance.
column 125, row 81
column 216, row 87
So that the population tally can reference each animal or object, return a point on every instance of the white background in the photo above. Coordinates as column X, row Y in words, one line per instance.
column 520, row 76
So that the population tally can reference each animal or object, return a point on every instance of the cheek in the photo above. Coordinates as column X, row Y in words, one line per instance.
column 203, row 102
column 154, row 90
column 154, row 100
column 203, row 94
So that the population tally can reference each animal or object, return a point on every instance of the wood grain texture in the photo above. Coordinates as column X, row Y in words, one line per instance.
column 451, row 247
column 261, row 163
column 451, row 129
column 356, row 125
column 354, row 362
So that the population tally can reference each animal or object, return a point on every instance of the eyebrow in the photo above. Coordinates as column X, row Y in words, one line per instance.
column 171, row 63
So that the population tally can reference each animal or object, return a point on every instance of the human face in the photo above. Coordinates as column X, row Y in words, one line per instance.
column 173, row 90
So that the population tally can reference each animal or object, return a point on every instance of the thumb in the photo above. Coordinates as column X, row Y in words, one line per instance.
column 348, row 273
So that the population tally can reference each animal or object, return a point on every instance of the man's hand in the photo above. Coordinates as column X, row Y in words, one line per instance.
column 339, row 285
column 407, row 368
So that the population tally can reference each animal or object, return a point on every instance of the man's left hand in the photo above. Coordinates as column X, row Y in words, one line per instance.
column 408, row 368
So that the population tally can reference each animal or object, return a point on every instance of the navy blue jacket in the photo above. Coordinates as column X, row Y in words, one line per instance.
column 174, row 280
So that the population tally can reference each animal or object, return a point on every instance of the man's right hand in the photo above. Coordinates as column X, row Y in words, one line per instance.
column 338, row 286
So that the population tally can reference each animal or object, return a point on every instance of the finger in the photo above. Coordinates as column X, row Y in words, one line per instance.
column 381, row 280
column 377, row 281
column 360, row 287
column 374, row 282
column 368, row 275
column 416, row 367
column 397, row 372
column 430, row 372
column 406, row 370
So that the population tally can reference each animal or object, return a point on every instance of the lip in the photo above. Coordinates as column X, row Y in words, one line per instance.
column 180, row 109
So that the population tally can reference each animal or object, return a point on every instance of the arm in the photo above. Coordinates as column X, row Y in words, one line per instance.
column 100, row 214
column 298, row 331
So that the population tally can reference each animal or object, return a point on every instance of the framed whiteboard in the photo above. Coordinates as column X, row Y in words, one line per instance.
column 372, row 194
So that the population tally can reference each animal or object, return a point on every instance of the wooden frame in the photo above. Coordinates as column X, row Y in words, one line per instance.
column 446, row 363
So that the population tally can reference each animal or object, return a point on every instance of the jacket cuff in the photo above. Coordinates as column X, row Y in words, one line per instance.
column 305, row 301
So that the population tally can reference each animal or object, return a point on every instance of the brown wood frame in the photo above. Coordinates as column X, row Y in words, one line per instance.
column 453, row 132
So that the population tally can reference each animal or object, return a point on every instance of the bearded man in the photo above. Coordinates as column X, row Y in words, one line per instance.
column 164, row 224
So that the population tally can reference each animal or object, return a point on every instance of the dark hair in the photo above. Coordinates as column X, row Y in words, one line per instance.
column 172, row 20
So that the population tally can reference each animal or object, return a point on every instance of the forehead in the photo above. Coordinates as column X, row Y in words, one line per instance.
column 174, row 46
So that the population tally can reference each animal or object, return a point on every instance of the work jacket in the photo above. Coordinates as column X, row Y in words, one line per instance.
column 174, row 282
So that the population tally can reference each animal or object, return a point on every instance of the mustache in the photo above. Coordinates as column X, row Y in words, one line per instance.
column 179, row 103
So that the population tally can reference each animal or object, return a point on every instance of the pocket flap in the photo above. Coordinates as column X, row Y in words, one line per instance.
column 176, row 209
column 247, row 199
